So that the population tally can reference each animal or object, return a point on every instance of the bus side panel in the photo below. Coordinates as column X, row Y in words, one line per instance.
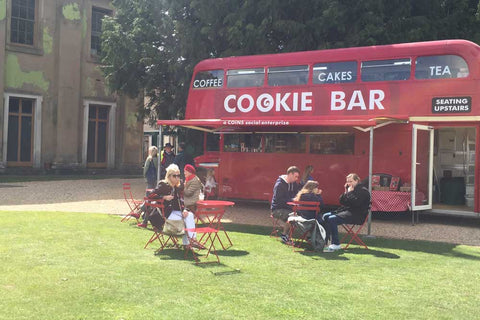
column 247, row 175
column 252, row 176
column 392, row 150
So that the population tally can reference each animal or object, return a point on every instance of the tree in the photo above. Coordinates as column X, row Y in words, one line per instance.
column 152, row 46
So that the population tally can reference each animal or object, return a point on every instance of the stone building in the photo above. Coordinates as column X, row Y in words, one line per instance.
column 57, row 112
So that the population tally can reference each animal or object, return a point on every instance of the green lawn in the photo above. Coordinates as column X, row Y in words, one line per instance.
column 59, row 265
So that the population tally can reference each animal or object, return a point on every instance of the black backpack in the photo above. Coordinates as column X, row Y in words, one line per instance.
column 317, row 232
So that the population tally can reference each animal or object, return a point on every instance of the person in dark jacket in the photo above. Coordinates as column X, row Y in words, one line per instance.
column 166, row 158
column 355, row 203
column 182, row 159
column 285, row 189
column 310, row 192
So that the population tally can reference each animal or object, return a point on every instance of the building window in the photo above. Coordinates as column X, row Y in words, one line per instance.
column 22, row 23
column 95, row 42
column 20, row 131
column 97, row 136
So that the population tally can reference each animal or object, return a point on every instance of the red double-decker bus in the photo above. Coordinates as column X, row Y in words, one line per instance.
column 408, row 111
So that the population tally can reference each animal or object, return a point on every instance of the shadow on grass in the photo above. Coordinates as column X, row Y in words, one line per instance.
column 440, row 248
column 339, row 255
column 319, row 255
column 247, row 228
column 375, row 245
column 232, row 253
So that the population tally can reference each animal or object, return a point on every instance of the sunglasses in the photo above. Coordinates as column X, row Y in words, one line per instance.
column 175, row 175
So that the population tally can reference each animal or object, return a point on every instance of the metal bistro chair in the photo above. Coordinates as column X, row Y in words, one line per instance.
column 211, row 215
column 293, row 220
column 157, row 219
column 133, row 204
column 352, row 234
column 206, row 242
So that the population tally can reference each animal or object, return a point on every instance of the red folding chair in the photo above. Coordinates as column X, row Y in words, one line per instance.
column 298, row 241
column 212, row 215
column 206, row 242
column 276, row 226
column 353, row 231
column 157, row 219
column 133, row 204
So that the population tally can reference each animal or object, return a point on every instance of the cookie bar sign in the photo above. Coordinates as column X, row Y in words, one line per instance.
column 452, row 105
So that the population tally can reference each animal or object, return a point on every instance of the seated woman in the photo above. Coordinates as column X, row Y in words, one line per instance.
column 169, row 190
column 355, row 202
column 193, row 187
column 309, row 192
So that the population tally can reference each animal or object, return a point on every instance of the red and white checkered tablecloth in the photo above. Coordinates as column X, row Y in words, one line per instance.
column 393, row 201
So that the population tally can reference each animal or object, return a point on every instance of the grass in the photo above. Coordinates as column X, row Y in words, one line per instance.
column 59, row 265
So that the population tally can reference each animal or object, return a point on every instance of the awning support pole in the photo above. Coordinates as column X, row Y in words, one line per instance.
column 159, row 157
column 370, row 166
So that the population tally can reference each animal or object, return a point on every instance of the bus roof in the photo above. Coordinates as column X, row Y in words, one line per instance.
column 342, row 54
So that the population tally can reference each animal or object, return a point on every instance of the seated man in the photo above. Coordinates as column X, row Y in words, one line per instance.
column 355, row 202
column 286, row 187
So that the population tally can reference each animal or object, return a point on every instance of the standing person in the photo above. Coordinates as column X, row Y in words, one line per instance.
column 284, row 190
column 192, row 189
column 307, row 174
column 167, row 158
column 355, row 202
column 179, row 159
column 150, row 168
column 210, row 183
column 310, row 192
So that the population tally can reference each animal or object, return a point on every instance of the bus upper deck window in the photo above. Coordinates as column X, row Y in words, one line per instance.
column 208, row 79
column 386, row 70
column 287, row 76
column 441, row 67
column 245, row 78
column 335, row 72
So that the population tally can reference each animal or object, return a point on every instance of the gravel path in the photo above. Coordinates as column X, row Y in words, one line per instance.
column 106, row 196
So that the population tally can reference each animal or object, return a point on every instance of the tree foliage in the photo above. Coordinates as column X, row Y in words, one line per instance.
column 151, row 46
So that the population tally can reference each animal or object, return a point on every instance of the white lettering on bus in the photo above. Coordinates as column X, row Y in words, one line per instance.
column 337, row 100
column 451, row 101
column 335, row 76
column 438, row 71
column 250, row 103
column 265, row 102
column 207, row 83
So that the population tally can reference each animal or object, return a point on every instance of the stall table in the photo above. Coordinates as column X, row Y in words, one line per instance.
column 394, row 201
